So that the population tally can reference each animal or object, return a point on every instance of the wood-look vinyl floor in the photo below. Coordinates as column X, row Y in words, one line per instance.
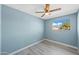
column 48, row 48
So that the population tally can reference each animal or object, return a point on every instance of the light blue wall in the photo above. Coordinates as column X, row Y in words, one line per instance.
column 78, row 28
column 0, row 28
column 68, row 37
column 19, row 29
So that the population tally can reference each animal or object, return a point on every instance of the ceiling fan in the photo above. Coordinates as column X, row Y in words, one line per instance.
column 47, row 10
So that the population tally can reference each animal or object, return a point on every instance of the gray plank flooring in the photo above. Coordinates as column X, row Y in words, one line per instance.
column 48, row 48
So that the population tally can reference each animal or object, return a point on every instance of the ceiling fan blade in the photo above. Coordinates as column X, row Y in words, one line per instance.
column 40, row 12
column 42, row 15
column 55, row 9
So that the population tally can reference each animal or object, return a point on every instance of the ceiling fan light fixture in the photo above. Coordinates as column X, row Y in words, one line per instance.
column 47, row 13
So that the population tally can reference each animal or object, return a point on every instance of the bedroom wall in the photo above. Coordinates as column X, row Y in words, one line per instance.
column 78, row 30
column 67, row 37
column 19, row 29
column 0, row 29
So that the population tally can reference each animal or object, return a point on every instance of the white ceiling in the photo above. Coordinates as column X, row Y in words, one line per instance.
column 32, row 8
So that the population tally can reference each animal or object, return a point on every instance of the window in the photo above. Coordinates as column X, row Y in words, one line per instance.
column 61, row 24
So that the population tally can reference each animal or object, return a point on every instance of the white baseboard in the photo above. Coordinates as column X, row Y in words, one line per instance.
column 61, row 43
column 17, row 51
